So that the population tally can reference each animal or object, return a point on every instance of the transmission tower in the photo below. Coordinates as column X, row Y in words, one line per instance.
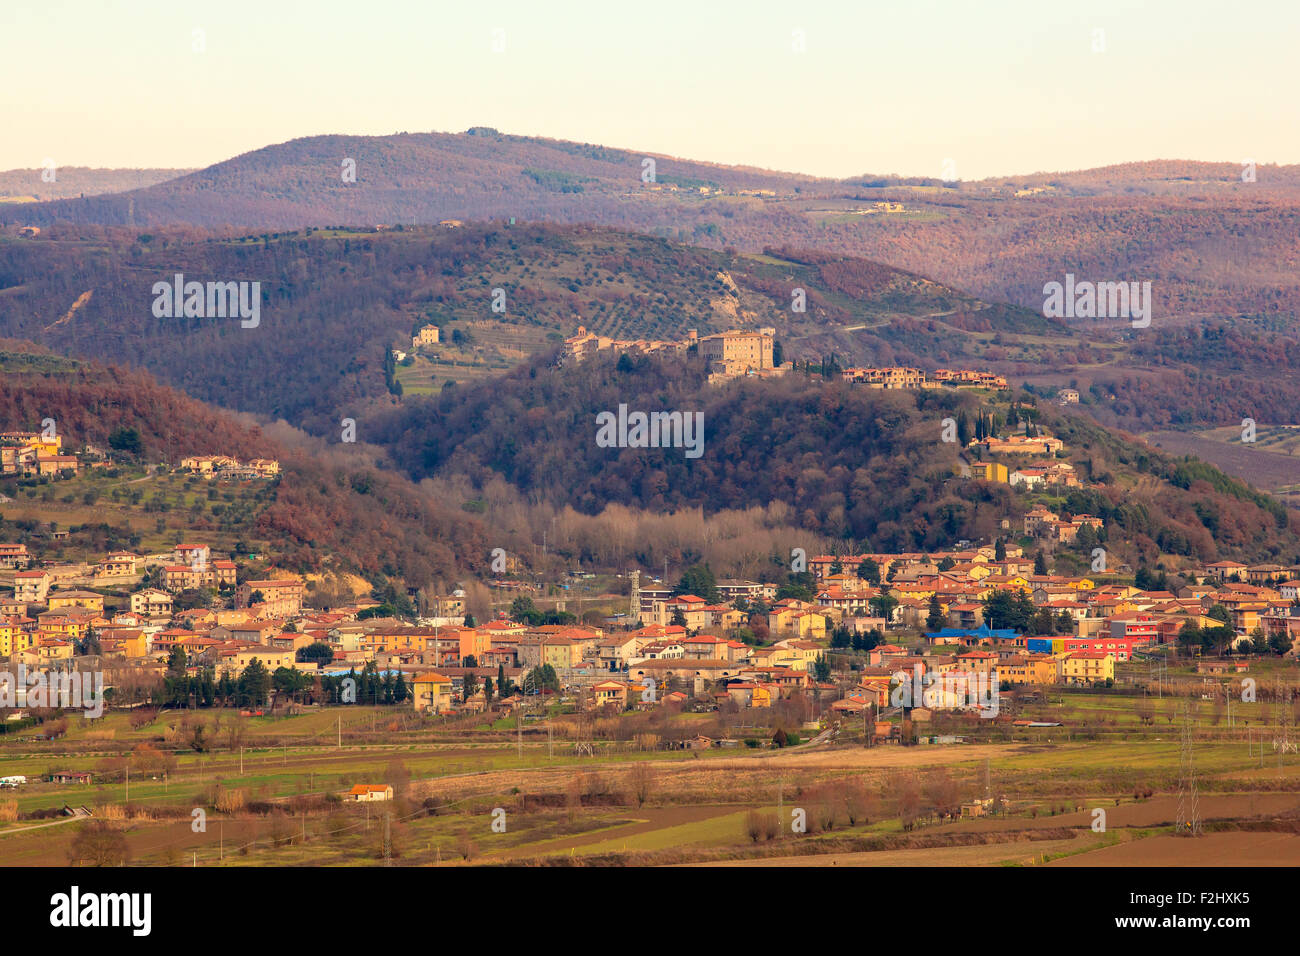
column 1189, row 805
column 1282, row 708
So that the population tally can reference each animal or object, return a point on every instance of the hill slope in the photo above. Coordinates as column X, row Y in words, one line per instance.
column 334, row 304
column 1213, row 244
column 850, row 463
column 325, row 511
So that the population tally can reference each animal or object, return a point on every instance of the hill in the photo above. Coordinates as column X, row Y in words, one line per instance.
column 850, row 463
column 1212, row 243
column 335, row 302
column 75, row 182
column 326, row 511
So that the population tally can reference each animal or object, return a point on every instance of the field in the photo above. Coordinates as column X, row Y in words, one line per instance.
column 1270, row 463
column 266, row 791
column 147, row 511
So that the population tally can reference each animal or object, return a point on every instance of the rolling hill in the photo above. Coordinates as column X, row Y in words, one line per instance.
column 335, row 302
column 1211, row 243
column 849, row 463
column 329, row 509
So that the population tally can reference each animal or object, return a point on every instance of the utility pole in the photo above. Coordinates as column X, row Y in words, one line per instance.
column 340, row 731
column 128, row 783
column 241, row 761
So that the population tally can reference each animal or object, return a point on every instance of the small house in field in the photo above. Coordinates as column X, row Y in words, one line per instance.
column 366, row 792
column 71, row 776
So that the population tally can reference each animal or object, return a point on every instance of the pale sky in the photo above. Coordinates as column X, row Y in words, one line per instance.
column 998, row 87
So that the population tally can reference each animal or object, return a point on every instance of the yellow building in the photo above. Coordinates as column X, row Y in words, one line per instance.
column 610, row 693
column 990, row 471
column 13, row 639
column 1087, row 667
column 1028, row 669
column 431, row 693
column 561, row 652
column 87, row 599
column 54, row 649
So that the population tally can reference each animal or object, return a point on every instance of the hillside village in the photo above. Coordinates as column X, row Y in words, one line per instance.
column 839, row 632
column 859, row 624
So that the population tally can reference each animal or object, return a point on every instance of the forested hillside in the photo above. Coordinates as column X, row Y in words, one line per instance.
column 321, row 513
column 334, row 303
column 850, row 463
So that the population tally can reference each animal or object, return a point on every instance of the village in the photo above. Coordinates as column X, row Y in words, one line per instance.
column 863, row 623
column 978, row 643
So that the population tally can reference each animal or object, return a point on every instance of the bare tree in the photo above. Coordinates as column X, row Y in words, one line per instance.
column 99, row 844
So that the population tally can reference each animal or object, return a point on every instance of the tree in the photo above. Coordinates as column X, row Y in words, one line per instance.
column 524, row 611
column 869, row 571
column 487, row 691
column 126, row 440
column 821, row 669
column 1000, row 550
column 642, row 779
column 254, row 684
column 469, row 686
column 698, row 579
column 289, row 682
column 316, row 652
column 935, row 620
column 1006, row 609
column 99, row 844
column 883, row 604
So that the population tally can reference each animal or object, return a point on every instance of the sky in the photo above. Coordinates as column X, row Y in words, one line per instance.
column 944, row 88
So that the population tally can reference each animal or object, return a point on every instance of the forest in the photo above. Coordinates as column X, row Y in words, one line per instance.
column 852, row 465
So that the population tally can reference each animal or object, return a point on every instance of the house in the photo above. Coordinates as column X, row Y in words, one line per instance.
column 431, row 693
column 31, row 587
column 370, row 792
column 13, row 556
column 85, row 599
column 989, row 471
column 71, row 776
column 610, row 693
column 282, row 597
column 151, row 603
column 1087, row 667
column 117, row 564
